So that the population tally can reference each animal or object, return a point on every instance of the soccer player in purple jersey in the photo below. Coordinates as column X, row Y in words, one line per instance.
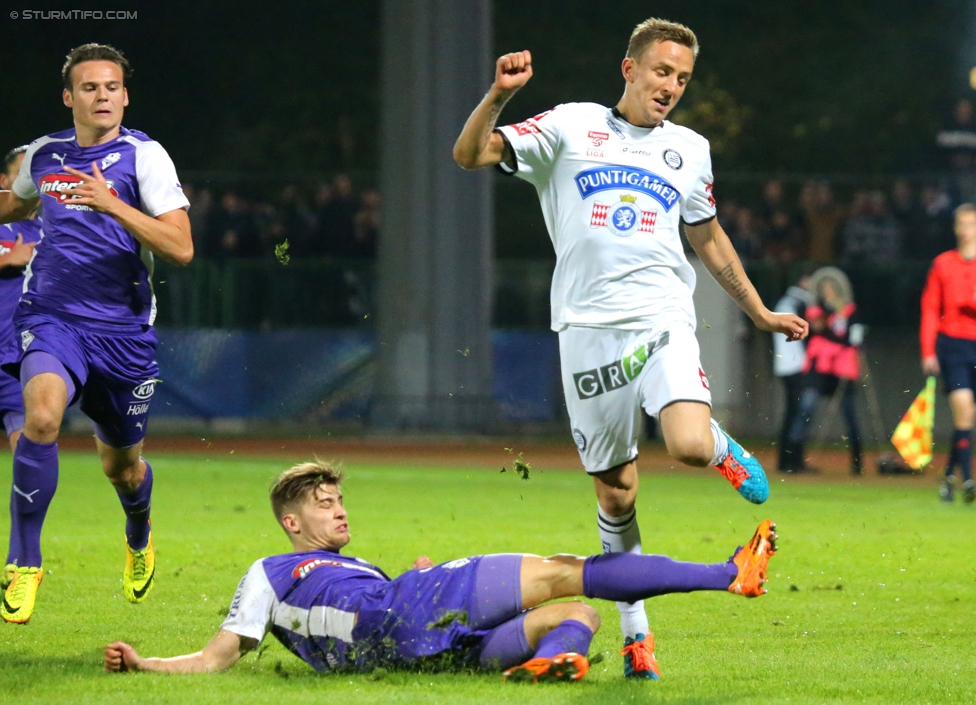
column 17, row 242
column 111, row 201
column 337, row 612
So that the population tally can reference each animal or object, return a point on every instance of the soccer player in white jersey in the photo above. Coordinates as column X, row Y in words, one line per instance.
column 614, row 185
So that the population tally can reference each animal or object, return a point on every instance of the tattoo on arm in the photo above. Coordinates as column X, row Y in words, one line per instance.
column 737, row 286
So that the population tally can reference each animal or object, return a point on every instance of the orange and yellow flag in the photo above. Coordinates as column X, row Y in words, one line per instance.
column 913, row 436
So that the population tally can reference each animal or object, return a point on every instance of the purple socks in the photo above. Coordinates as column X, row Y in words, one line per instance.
column 35, row 481
column 569, row 636
column 506, row 646
column 628, row 577
column 136, row 506
column 14, row 546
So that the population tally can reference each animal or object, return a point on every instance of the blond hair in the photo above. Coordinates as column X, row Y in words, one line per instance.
column 963, row 209
column 658, row 30
column 296, row 484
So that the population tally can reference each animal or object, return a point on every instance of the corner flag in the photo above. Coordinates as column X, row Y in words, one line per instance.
column 913, row 436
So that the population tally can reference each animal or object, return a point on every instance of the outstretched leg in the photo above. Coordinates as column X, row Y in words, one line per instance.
column 623, row 576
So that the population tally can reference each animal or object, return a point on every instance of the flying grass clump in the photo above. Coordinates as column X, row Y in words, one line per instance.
column 519, row 466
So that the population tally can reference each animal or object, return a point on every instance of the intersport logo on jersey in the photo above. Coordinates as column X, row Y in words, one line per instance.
column 615, row 176
column 58, row 186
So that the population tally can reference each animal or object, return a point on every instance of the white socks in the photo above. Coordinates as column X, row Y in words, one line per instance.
column 622, row 535
column 721, row 443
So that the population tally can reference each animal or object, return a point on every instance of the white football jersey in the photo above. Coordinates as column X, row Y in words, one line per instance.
column 613, row 196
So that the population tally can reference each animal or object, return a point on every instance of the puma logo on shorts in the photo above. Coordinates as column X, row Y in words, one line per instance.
column 617, row 374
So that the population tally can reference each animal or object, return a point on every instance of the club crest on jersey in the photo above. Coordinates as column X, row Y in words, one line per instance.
column 623, row 218
column 58, row 186
column 672, row 159
column 26, row 338
column 579, row 439
column 306, row 567
column 616, row 176
column 110, row 160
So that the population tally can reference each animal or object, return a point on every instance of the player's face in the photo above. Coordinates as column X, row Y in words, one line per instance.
column 97, row 98
column 966, row 229
column 656, row 82
column 7, row 179
column 322, row 519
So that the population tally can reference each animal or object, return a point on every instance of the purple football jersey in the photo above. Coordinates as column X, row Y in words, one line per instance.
column 11, row 278
column 338, row 612
column 90, row 267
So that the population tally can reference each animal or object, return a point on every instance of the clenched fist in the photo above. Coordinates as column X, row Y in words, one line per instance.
column 512, row 71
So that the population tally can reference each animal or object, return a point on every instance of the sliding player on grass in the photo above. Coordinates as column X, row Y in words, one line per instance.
column 111, row 200
column 338, row 612
column 615, row 185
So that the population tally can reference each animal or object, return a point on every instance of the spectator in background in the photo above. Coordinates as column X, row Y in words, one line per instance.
column 201, row 203
column 781, row 239
column 871, row 235
column 957, row 142
column 231, row 230
column 833, row 361
column 931, row 231
column 747, row 236
column 822, row 219
column 903, row 207
column 296, row 222
column 366, row 224
column 336, row 231
column 788, row 359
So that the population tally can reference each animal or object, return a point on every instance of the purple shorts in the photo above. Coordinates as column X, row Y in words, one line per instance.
column 114, row 369
column 448, row 609
column 11, row 403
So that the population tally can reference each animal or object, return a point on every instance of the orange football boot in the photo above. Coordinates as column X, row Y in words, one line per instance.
column 563, row 667
column 752, row 561
column 639, row 658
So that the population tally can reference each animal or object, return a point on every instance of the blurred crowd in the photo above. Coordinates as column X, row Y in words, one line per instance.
column 331, row 219
column 908, row 222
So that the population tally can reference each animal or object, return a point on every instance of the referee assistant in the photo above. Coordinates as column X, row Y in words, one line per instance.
column 948, row 340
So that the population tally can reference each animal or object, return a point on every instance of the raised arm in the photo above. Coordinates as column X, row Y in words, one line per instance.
column 223, row 651
column 719, row 257
column 14, row 208
column 167, row 235
column 479, row 145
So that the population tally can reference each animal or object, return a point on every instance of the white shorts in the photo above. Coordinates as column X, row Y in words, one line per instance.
column 609, row 374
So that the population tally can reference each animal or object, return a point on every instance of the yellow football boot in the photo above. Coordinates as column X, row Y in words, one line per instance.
column 140, row 572
column 18, row 599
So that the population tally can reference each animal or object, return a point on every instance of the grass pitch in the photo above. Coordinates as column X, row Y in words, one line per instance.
column 871, row 595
